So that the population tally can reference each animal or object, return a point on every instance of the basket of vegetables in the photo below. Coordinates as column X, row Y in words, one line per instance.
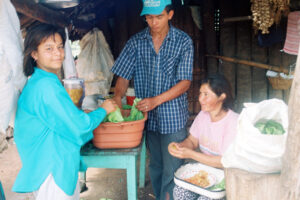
column 121, row 130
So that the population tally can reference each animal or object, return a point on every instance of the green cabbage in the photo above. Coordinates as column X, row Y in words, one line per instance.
column 126, row 107
column 115, row 116
column 135, row 114
column 269, row 127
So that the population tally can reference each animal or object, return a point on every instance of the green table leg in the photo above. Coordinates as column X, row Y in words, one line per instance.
column 142, row 165
column 131, row 178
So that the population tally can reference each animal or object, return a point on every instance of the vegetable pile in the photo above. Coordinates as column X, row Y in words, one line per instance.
column 116, row 116
column 269, row 127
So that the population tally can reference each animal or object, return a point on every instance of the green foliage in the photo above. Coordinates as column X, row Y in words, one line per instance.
column 126, row 107
column 135, row 114
column 115, row 116
column 269, row 127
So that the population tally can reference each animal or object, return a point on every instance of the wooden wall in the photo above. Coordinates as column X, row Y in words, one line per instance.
column 184, row 21
column 234, row 39
column 237, row 39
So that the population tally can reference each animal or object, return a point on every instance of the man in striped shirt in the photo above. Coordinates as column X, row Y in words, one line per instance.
column 160, row 61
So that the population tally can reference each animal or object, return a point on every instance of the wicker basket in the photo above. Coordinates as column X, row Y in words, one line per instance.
column 279, row 83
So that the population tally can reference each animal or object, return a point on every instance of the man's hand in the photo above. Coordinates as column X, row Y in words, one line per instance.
column 147, row 104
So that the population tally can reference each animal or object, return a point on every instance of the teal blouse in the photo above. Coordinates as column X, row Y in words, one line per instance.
column 49, row 131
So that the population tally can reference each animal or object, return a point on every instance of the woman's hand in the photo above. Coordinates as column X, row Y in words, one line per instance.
column 178, row 151
column 109, row 105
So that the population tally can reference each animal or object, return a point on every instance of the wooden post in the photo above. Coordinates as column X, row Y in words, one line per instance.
column 243, row 185
column 290, row 178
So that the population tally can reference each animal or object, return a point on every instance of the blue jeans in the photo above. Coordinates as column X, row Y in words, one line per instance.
column 162, row 165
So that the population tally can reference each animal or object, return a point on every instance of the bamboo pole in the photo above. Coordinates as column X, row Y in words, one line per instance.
column 251, row 63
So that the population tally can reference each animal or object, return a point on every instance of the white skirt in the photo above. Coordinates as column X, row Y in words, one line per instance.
column 50, row 191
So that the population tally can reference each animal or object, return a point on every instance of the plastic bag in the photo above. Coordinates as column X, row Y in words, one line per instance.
column 253, row 151
column 12, row 79
column 94, row 63
column 69, row 63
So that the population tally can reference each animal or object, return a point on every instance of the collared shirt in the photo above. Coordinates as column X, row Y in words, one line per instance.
column 156, row 73
column 49, row 131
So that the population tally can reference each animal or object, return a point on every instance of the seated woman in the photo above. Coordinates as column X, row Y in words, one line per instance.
column 212, row 131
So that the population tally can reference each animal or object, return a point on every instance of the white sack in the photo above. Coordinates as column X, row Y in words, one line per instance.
column 69, row 63
column 252, row 150
column 12, row 79
column 94, row 63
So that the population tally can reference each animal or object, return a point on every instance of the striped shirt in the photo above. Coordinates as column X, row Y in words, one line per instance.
column 155, row 73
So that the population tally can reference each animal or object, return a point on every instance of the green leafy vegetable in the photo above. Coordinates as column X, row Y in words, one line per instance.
column 219, row 186
column 115, row 116
column 135, row 114
column 269, row 127
column 126, row 107
column 260, row 126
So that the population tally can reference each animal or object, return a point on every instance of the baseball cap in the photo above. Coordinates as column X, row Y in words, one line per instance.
column 154, row 7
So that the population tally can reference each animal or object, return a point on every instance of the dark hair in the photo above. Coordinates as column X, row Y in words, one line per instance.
column 219, row 85
column 169, row 7
column 34, row 37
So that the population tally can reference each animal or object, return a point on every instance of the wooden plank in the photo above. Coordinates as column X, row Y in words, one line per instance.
column 39, row 12
column 243, row 51
column 275, row 59
column 120, row 30
column 243, row 185
column 290, row 178
column 227, row 43
column 251, row 63
column 137, row 23
column 259, row 80
column 244, row 85
column 210, row 35
column 46, row 15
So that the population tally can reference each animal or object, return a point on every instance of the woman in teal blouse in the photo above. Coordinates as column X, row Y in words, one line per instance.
column 49, row 128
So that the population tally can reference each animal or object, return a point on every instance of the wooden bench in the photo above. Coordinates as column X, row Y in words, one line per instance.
column 117, row 159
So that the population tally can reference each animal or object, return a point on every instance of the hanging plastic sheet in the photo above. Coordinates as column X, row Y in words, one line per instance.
column 12, row 79
column 94, row 63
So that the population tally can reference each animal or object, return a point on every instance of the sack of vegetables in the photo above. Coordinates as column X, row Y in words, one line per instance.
column 261, row 137
column 121, row 130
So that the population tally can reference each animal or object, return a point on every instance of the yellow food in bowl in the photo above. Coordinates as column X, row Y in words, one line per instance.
column 75, row 94
column 200, row 179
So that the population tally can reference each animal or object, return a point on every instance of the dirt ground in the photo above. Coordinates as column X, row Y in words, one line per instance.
column 102, row 184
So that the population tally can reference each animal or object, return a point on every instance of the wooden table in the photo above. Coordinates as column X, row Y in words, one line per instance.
column 117, row 159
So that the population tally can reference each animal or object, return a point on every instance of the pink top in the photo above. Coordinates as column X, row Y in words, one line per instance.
column 214, row 137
